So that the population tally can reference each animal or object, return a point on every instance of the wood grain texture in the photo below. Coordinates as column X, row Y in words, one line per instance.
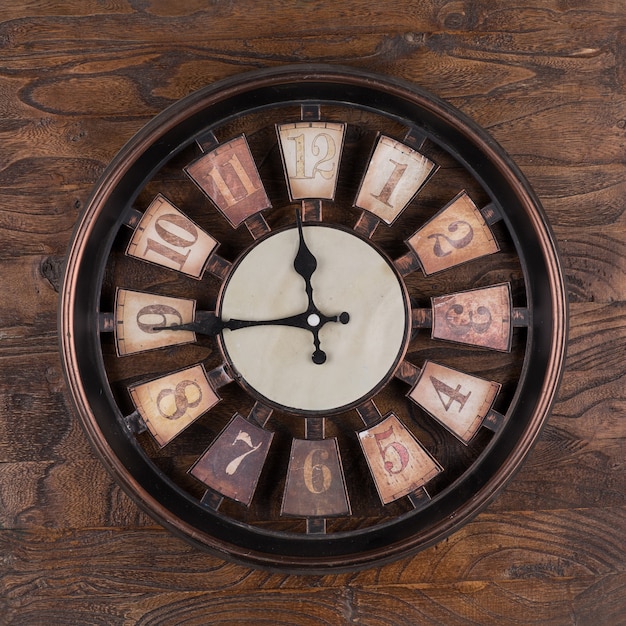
column 79, row 78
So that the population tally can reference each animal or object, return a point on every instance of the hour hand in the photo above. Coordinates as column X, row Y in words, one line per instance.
column 305, row 263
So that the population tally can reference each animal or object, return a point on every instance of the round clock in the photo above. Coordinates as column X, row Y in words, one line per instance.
column 312, row 318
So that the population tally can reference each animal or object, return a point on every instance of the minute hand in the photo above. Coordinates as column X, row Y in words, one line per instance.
column 210, row 324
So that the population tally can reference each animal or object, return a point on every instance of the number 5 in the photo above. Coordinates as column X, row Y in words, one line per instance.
column 401, row 453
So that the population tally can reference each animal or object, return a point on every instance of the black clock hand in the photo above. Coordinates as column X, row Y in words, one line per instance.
column 305, row 265
column 207, row 323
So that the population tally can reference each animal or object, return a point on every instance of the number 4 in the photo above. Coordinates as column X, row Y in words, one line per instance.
column 452, row 395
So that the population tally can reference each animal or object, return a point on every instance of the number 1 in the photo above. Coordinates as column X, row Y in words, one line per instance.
column 392, row 182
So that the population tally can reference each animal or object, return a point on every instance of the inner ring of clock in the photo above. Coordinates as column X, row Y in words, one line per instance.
column 332, row 332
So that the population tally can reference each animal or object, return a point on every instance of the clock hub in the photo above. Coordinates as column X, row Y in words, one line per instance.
column 359, row 312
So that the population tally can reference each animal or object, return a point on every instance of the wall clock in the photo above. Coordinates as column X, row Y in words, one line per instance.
column 312, row 318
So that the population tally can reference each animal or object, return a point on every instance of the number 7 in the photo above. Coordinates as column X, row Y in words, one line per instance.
column 233, row 466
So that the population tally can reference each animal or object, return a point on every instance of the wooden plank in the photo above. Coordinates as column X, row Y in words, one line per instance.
column 563, row 544
column 592, row 599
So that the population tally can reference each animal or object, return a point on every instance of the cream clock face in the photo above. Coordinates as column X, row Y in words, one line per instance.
column 313, row 319
column 351, row 277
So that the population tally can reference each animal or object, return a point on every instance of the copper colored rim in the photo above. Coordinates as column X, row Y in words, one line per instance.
column 368, row 548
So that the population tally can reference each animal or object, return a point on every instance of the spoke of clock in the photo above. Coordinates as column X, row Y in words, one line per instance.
column 521, row 317
column 218, row 266
column 141, row 320
column 311, row 210
column 395, row 174
column 232, row 464
column 398, row 462
column 420, row 498
column 220, row 376
column 422, row 318
column 260, row 414
column 366, row 224
column 132, row 217
column 315, row 485
column 212, row 499
column 311, row 152
column 165, row 236
column 408, row 373
column 369, row 413
column 207, row 141
column 479, row 317
column 460, row 402
column 494, row 420
column 458, row 233
column 415, row 138
column 169, row 404
column 315, row 428
column 106, row 322
column 135, row 423
column 491, row 213
column 310, row 112
column 228, row 175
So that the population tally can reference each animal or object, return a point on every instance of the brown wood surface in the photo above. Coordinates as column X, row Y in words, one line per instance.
column 548, row 79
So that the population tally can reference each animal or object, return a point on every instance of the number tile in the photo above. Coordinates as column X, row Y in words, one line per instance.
column 398, row 462
column 142, row 320
column 455, row 235
column 478, row 317
column 311, row 152
column 171, row 403
column 234, row 461
column 167, row 237
column 457, row 400
column 229, row 177
column 395, row 174
column 315, row 484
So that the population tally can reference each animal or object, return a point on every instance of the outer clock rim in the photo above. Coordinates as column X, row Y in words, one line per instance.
column 78, row 322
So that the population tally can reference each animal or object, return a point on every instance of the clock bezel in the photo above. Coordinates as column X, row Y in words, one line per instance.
column 177, row 127
column 375, row 389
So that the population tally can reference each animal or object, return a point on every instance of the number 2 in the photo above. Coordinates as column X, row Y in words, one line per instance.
column 457, row 244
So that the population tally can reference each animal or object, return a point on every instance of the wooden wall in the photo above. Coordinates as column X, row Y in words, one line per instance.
column 80, row 77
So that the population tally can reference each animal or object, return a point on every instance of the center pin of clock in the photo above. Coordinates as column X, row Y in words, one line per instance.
column 313, row 320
